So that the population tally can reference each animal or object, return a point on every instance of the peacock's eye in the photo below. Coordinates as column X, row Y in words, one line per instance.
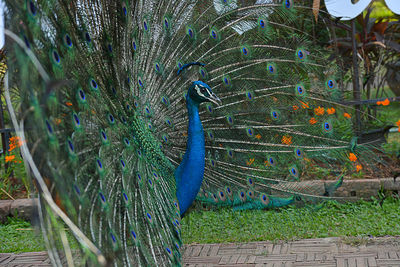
column 203, row 90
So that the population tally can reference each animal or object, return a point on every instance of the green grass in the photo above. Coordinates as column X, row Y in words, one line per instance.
column 333, row 219
column 18, row 236
column 360, row 219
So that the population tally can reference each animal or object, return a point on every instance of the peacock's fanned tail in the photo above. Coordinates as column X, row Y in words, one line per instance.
column 95, row 88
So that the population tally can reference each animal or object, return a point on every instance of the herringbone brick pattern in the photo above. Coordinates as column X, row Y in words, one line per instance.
column 307, row 253
column 325, row 252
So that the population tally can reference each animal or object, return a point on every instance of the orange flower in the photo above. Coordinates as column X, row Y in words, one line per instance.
column 250, row 161
column 68, row 104
column 319, row 111
column 398, row 123
column 358, row 167
column 304, row 105
column 287, row 140
column 258, row 136
column 330, row 111
column 312, row 121
column 347, row 115
column 15, row 142
column 352, row 157
column 295, row 107
column 10, row 158
column 12, row 139
column 385, row 102
column 57, row 121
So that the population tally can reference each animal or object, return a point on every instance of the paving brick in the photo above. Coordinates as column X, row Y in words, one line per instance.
column 382, row 254
column 300, row 257
column 205, row 260
column 261, row 249
column 284, row 248
column 205, row 250
column 187, row 251
column 196, row 251
column 224, row 259
column 314, row 263
column 340, row 262
column 310, row 256
column 242, row 259
column 393, row 255
column 250, row 245
column 319, row 256
column 388, row 262
column 278, row 258
column 230, row 251
column 234, row 259
column 5, row 257
column 372, row 262
column 251, row 259
column 214, row 250
column 277, row 249
column 361, row 262
column 352, row 255
column 351, row 262
column 303, row 253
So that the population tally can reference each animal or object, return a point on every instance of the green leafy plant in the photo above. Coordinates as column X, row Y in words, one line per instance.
column 6, row 187
column 13, row 177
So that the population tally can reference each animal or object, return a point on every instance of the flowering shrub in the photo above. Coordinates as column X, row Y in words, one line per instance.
column 13, row 178
column 15, row 142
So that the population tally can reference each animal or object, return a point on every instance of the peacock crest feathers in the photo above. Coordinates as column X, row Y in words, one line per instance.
column 97, row 93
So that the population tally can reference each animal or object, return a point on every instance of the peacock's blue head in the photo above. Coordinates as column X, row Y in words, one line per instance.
column 201, row 92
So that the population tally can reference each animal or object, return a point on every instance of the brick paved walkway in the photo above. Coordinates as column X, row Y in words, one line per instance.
column 325, row 252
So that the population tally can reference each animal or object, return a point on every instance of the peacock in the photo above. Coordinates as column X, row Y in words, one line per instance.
column 131, row 110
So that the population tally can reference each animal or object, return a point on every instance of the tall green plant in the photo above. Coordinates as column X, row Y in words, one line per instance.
column 14, row 177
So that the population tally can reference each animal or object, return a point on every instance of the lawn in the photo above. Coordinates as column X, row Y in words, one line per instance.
column 332, row 219
column 18, row 236
column 361, row 219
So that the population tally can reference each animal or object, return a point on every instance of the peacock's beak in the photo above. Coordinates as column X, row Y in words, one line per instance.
column 215, row 99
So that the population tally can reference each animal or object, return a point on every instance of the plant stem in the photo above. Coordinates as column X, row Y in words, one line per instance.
column 7, row 194
column 356, row 84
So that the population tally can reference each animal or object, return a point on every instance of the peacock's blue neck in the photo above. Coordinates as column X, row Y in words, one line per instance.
column 189, row 174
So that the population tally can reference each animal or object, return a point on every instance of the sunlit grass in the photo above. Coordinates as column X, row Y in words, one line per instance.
column 333, row 219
